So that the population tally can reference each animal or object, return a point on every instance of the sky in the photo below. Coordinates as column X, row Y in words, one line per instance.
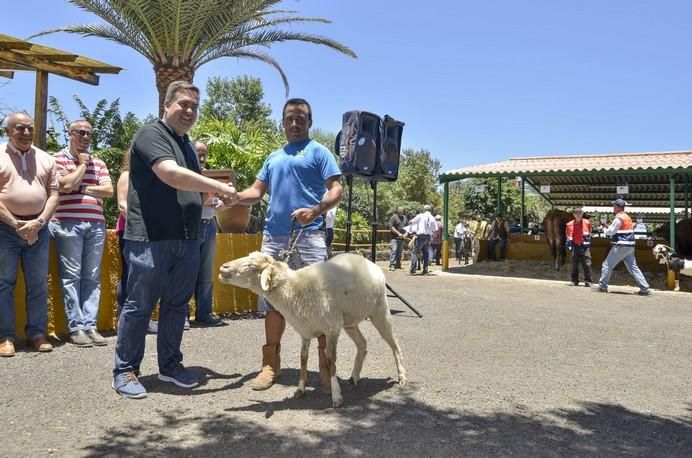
column 474, row 81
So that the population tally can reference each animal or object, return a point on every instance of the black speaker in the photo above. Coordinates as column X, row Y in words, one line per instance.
column 358, row 143
column 389, row 150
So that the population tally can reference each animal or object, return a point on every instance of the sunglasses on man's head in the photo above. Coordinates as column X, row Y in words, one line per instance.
column 82, row 132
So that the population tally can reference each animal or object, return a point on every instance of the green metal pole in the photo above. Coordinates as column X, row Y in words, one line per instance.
column 687, row 201
column 445, row 229
column 522, row 221
column 499, row 196
column 671, row 217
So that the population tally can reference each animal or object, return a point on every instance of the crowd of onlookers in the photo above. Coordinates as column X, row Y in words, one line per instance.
column 60, row 197
column 166, row 230
column 422, row 234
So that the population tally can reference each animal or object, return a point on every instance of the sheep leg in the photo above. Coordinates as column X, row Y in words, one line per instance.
column 330, row 353
column 382, row 321
column 303, row 377
column 361, row 346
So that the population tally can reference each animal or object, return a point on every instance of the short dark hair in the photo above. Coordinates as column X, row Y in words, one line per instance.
column 297, row 101
column 177, row 86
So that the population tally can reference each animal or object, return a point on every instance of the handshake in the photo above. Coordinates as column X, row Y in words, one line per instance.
column 225, row 196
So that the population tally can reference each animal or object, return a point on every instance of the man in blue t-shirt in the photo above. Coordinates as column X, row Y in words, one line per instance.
column 296, row 178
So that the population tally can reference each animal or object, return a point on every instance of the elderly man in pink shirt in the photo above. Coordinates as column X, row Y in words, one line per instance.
column 28, row 197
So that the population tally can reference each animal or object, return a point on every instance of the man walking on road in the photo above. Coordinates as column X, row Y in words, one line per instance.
column 621, row 231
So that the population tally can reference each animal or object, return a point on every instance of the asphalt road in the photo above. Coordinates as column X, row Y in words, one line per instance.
column 497, row 367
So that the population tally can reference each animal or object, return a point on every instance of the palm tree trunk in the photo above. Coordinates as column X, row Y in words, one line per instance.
column 165, row 75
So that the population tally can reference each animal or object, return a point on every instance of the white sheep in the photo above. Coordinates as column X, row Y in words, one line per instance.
column 321, row 299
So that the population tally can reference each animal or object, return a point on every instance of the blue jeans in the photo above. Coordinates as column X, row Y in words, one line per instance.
column 164, row 270
column 122, row 284
column 35, row 266
column 422, row 244
column 626, row 254
column 491, row 248
column 396, row 247
column 311, row 247
column 205, row 281
column 79, row 245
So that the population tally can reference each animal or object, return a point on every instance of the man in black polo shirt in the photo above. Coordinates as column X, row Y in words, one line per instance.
column 161, row 245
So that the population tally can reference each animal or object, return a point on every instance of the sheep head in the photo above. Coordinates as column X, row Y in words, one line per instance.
column 257, row 272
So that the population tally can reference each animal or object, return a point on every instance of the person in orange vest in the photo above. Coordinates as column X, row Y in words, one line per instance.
column 621, row 232
column 578, row 234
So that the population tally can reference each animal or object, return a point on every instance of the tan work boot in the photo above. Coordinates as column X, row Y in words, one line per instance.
column 6, row 348
column 325, row 377
column 271, row 368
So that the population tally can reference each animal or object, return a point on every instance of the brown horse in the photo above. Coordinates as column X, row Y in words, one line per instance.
column 554, row 225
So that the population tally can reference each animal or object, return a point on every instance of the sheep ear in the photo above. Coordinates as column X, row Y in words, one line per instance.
column 266, row 278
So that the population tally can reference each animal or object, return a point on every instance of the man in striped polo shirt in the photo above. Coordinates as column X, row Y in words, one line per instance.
column 79, row 230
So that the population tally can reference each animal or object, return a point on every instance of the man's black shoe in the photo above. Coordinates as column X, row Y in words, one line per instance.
column 209, row 321
column 587, row 284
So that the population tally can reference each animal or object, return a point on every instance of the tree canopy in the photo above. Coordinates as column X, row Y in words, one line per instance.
column 240, row 100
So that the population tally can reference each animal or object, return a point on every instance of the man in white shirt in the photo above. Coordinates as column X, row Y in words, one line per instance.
column 423, row 225
column 459, row 231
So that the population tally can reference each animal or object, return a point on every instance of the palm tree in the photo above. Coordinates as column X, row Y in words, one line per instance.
column 179, row 36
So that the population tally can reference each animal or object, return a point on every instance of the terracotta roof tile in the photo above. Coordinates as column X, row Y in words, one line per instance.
column 585, row 163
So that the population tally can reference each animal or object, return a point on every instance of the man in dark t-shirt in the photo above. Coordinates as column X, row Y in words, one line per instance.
column 396, row 225
column 161, row 247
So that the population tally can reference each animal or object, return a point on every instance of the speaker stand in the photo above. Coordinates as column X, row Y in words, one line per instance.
column 373, row 237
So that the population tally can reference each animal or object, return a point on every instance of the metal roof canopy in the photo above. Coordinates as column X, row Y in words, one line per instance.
column 18, row 55
column 656, row 179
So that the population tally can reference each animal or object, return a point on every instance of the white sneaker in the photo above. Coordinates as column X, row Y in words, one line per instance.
column 153, row 327
column 186, row 327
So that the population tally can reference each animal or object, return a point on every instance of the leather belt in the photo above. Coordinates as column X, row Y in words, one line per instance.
column 207, row 220
column 26, row 217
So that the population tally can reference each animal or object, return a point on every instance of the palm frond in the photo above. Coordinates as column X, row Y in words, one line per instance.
column 266, row 38
column 107, row 32
column 189, row 33
column 250, row 54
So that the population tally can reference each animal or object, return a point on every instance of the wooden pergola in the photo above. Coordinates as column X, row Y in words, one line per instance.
column 20, row 55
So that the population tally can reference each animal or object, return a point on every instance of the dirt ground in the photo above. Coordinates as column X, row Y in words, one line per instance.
column 498, row 366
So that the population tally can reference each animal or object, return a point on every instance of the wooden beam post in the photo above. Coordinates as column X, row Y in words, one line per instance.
column 41, row 109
